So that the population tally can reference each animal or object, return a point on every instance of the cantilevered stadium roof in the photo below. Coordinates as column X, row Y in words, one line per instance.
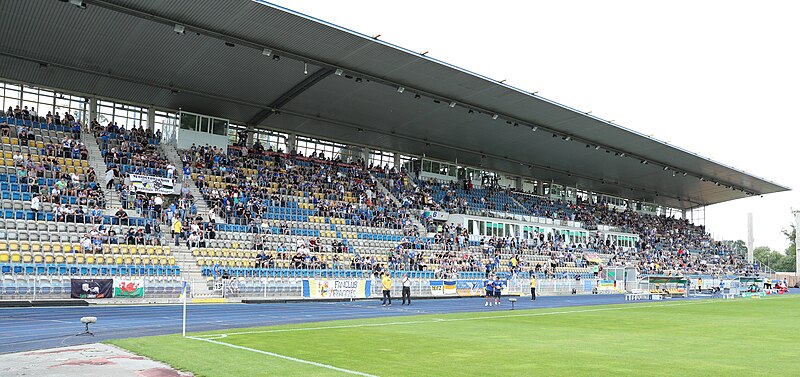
column 263, row 65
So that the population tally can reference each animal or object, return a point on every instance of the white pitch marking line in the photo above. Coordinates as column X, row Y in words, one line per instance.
column 436, row 320
column 285, row 357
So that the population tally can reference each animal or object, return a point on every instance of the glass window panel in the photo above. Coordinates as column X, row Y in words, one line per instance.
column 219, row 127
column 188, row 121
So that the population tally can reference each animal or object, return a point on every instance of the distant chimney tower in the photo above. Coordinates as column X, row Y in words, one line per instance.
column 750, row 237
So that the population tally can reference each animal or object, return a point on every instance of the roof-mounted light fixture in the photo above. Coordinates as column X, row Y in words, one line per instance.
column 338, row 72
column 495, row 116
column 78, row 3
column 452, row 104
column 400, row 89
column 266, row 52
column 179, row 29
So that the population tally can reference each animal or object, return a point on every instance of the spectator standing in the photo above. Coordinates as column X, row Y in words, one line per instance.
column 489, row 286
column 533, row 287
column 386, row 281
column 406, row 289
column 176, row 230
column 110, row 178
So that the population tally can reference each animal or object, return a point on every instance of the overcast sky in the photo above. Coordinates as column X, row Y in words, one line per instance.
column 719, row 78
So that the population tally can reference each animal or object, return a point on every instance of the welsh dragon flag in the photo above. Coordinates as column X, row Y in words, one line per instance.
column 128, row 288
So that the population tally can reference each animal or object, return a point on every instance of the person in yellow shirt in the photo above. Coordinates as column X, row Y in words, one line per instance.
column 533, row 287
column 386, row 281
column 177, row 227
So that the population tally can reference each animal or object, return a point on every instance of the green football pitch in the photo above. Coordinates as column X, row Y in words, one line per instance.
column 743, row 337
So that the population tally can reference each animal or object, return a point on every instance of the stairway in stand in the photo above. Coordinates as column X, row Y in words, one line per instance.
column 416, row 216
column 174, row 158
column 190, row 271
column 97, row 163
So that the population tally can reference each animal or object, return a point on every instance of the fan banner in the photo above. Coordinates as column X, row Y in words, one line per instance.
column 91, row 288
column 152, row 184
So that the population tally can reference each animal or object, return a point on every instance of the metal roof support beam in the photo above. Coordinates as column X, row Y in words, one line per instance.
column 290, row 94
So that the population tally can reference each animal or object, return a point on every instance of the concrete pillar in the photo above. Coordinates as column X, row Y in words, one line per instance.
column 539, row 187
column 518, row 183
column 365, row 152
column 750, row 237
column 397, row 162
column 251, row 135
column 291, row 141
column 92, row 109
column 151, row 119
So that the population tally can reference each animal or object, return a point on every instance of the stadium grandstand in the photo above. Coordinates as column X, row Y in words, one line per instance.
column 337, row 156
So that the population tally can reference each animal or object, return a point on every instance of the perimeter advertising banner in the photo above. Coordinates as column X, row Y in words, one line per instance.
column 91, row 288
column 325, row 288
column 443, row 287
column 152, row 184
column 470, row 288
column 606, row 285
column 437, row 287
column 131, row 288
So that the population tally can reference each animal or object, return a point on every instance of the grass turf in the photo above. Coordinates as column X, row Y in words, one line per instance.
column 695, row 338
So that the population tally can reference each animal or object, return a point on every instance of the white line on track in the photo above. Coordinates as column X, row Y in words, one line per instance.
column 439, row 320
column 314, row 363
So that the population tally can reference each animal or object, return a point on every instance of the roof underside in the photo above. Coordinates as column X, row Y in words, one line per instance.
column 127, row 49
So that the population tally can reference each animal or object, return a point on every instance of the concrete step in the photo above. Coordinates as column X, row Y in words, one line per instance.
column 414, row 220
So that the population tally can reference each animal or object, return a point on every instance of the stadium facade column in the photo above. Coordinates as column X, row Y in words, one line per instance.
column 291, row 141
column 365, row 152
column 251, row 133
column 92, row 108
column 397, row 161
column 151, row 118
column 518, row 183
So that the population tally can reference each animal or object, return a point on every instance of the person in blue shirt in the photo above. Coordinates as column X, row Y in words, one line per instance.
column 489, row 286
column 498, row 290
